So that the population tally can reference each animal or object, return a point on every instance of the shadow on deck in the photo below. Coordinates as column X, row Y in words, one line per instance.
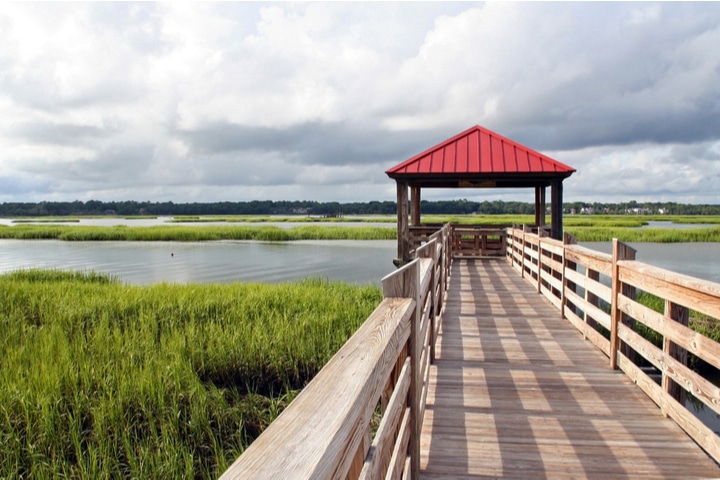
column 516, row 392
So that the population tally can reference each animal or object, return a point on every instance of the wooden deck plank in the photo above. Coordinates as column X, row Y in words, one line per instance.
column 516, row 392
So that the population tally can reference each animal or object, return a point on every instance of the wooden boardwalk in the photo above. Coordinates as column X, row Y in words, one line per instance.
column 516, row 392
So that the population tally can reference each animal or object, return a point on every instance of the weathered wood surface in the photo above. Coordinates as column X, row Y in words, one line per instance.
column 517, row 393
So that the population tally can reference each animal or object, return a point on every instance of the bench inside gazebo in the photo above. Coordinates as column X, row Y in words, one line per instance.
column 477, row 158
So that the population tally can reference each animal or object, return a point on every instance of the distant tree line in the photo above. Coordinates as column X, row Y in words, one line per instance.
column 648, row 208
column 312, row 208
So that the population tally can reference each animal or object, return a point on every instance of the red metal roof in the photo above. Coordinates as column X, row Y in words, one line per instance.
column 479, row 152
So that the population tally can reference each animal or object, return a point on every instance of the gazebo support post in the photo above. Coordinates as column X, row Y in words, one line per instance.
column 415, row 205
column 556, row 209
column 540, row 206
column 402, row 221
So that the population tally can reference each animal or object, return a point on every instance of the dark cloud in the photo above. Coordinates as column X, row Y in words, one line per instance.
column 60, row 134
column 311, row 143
column 14, row 187
column 111, row 165
column 617, row 74
column 274, row 99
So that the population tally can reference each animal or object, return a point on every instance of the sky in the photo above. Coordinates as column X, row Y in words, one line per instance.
column 240, row 101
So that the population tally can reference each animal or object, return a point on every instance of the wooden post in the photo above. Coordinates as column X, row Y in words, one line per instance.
column 630, row 292
column 514, row 245
column 402, row 222
column 540, row 206
column 541, row 233
column 416, row 379
column 567, row 265
column 522, row 256
column 556, row 209
column 407, row 285
column 621, row 251
column 590, row 297
column 681, row 315
column 432, row 253
column 415, row 207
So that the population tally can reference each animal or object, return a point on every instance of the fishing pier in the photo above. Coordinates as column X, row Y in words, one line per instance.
column 506, row 352
column 523, row 365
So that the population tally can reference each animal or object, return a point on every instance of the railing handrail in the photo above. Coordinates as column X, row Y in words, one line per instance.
column 555, row 267
column 326, row 430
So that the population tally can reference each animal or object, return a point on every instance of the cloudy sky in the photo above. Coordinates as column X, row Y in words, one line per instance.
column 196, row 102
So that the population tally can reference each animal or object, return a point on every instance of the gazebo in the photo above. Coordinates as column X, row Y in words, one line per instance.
column 478, row 158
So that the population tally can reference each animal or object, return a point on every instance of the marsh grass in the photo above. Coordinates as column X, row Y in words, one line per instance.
column 657, row 235
column 699, row 219
column 196, row 233
column 47, row 220
column 480, row 219
column 587, row 228
column 105, row 380
column 289, row 219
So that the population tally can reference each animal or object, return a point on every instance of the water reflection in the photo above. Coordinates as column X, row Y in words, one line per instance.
column 700, row 260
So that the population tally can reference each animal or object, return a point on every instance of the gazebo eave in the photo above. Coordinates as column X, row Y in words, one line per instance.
column 480, row 181
column 478, row 158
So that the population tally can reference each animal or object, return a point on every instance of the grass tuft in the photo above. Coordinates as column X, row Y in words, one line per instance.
column 101, row 379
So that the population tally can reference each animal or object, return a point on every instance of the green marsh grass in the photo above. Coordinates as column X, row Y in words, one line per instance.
column 104, row 380
column 289, row 219
column 657, row 235
column 47, row 220
column 699, row 219
column 587, row 228
column 480, row 219
column 196, row 233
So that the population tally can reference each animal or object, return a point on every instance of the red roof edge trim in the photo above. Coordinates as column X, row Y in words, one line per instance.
column 478, row 158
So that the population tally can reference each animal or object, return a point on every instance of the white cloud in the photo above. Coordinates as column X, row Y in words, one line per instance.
column 231, row 101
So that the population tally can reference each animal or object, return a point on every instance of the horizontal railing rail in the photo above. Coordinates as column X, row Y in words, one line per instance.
column 420, row 234
column 478, row 241
column 360, row 417
column 467, row 240
column 600, row 294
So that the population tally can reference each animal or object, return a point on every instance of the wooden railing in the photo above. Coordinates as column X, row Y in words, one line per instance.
column 360, row 417
column 470, row 241
column 467, row 240
column 598, row 293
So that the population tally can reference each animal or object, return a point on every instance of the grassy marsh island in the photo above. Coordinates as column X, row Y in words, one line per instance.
column 587, row 228
column 105, row 380
column 273, row 219
column 194, row 233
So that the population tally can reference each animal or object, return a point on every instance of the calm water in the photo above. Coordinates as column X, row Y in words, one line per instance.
column 228, row 261
column 701, row 260
column 360, row 262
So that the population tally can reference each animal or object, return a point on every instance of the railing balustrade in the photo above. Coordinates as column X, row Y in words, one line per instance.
column 598, row 293
column 468, row 241
column 379, row 377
